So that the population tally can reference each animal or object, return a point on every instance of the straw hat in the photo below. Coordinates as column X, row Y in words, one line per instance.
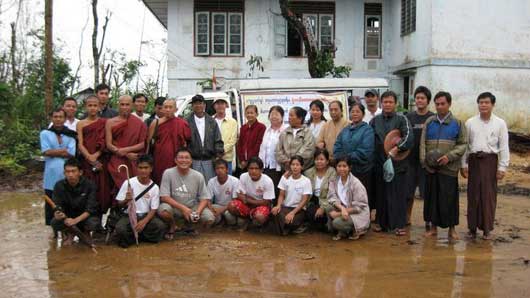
column 391, row 140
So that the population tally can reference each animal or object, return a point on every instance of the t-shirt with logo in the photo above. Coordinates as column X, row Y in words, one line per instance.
column 186, row 189
column 263, row 189
column 223, row 193
column 295, row 189
column 149, row 201
column 417, row 122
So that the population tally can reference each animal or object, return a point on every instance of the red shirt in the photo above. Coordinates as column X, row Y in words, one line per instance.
column 250, row 138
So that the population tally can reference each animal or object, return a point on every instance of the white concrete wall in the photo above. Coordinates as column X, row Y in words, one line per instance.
column 481, row 29
column 184, row 70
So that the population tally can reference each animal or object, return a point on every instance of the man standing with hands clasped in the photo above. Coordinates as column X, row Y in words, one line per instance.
column 485, row 162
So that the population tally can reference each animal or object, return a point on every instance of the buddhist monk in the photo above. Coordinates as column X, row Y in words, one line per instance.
column 169, row 134
column 125, row 137
column 91, row 143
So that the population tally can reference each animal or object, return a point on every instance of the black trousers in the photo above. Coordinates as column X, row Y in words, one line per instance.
column 153, row 232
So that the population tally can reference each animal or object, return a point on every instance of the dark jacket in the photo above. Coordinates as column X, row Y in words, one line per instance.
column 213, row 142
column 357, row 143
column 382, row 125
column 77, row 199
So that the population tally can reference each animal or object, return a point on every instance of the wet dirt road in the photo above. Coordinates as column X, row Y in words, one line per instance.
column 232, row 264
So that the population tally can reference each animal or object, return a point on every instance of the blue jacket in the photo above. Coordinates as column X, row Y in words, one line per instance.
column 357, row 143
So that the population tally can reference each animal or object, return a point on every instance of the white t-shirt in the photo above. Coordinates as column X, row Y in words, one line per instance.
column 342, row 191
column 200, row 123
column 295, row 189
column 263, row 189
column 143, row 117
column 315, row 128
column 368, row 116
column 223, row 194
column 72, row 125
column 149, row 201
column 318, row 185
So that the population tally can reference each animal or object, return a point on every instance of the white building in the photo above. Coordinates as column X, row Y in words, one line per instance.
column 464, row 47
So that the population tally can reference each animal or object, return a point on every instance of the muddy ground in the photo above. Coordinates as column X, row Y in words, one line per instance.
column 225, row 263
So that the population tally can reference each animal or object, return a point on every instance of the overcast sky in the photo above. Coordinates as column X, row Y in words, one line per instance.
column 124, row 31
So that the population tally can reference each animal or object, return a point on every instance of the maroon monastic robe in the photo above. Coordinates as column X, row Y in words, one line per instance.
column 170, row 136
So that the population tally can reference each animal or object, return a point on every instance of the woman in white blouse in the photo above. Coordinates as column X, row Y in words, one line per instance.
column 268, row 146
column 350, row 216
column 316, row 118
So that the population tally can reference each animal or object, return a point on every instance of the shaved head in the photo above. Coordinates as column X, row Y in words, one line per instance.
column 169, row 108
column 125, row 105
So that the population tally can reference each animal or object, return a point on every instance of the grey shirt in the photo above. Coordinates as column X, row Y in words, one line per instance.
column 187, row 190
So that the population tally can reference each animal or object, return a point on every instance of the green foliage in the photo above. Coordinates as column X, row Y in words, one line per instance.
column 325, row 66
column 255, row 63
column 18, row 143
column 31, row 104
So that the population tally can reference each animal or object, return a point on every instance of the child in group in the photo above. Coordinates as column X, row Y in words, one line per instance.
column 295, row 191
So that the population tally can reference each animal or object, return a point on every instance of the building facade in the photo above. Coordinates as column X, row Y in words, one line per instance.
column 464, row 47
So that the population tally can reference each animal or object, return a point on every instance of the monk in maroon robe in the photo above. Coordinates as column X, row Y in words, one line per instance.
column 91, row 142
column 125, row 137
column 167, row 135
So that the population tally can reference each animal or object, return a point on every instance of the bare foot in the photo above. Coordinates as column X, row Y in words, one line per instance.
column 432, row 232
column 452, row 234
column 487, row 236
column 471, row 235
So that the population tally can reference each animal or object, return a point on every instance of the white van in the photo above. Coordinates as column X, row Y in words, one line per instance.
column 287, row 93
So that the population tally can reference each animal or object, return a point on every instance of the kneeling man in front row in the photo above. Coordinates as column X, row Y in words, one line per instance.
column 184, row 195
column 75, row 200
column 145, row 194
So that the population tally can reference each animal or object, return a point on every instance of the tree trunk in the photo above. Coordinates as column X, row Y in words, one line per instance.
column 12, row 54
column 95, row 52
column 48, row 56
column 301, row 27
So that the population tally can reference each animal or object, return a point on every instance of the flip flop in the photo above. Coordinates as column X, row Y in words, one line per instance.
column 401, row 232
column 169, row 236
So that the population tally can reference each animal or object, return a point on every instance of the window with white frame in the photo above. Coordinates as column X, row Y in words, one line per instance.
column 372, row 30
column 218, row 28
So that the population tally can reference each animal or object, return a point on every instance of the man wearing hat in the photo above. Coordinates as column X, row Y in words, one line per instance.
column 206, row 142
column 442, row 145
column 228, row 128
column 393, row 139
column 371, row 99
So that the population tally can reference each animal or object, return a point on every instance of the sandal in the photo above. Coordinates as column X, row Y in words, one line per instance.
column 401, row 232
column 339, row 236
column 354, row 236
column 377, row 228
column 169, row 236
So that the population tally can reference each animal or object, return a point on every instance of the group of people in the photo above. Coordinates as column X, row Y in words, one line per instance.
column 340, row 175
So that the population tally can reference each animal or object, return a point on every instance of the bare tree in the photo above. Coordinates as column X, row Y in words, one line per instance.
column 48, row 56
column 96, row 52
column 302, row 27
column 76, row 75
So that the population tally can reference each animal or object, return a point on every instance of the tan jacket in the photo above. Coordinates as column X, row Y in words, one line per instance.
column 357, row 199
column 324, row 187
column 289, row 145
column 329, row 132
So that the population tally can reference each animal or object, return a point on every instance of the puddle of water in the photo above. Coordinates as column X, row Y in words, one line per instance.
column 224, row 263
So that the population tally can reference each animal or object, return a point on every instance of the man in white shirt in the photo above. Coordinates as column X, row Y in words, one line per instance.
column 224, row 189
column 256, row 192
column 70, row 109
column 206, row 142
column 140, row 102
column 371, row 99
column 485, row 162
column 144, row 193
